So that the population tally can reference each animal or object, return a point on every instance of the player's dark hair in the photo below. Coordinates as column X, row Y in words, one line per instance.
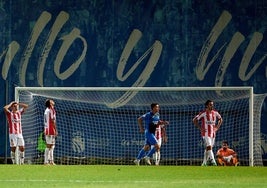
column 153, row 105
column 207, row 103
column 47, row 103
column 13, row 103
column 225, row 142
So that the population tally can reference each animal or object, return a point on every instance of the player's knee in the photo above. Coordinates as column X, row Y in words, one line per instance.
column 220, row 162
column 235, row 161
column 208, row 148
column 21, row 148
column 146, row 147
column 13, row 149
column 157, row 147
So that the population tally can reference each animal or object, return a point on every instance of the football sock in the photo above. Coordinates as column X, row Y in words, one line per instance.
column 49, row 155
column 21, row 157
column 205, row 157
column 12, row 154
column 151, row 152
column 211, row 156
column 52, row 154
column 157, row 157
column 141, row 154
column 46, row 155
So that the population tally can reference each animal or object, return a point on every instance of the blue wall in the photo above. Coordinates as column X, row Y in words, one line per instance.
column 99, row 42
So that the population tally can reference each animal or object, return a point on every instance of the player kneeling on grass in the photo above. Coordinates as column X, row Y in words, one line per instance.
column 226, row 156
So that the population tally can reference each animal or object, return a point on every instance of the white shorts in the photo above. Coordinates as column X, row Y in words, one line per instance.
column 16, row 140
column 50, row 139
column 208, row 141
column 159, row 142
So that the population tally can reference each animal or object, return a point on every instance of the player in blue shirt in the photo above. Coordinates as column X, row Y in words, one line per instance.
column 151, row 120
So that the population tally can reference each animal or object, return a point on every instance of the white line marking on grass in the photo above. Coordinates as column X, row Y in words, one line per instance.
column 177, row 182
column 79, row 181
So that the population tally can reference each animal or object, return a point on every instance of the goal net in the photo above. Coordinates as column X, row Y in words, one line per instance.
column 99, row 125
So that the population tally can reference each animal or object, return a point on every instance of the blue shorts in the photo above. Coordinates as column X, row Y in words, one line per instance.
column 150, row 139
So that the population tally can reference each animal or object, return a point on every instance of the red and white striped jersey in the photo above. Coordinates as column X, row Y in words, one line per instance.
column 49, row 121
column 158, row 133
column 208, row 122
column 14, row 121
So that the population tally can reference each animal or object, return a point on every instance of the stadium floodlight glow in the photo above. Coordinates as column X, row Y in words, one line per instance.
column 98, row 125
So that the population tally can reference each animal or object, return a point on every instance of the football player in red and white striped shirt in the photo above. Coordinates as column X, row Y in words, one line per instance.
column 161, row 136
column 50, row 130
column 211, row 121
column 13, row 114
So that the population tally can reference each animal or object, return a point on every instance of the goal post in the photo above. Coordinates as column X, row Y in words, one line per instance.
column 98, row 125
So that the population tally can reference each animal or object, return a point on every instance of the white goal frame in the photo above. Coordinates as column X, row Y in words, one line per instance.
column 135, row 89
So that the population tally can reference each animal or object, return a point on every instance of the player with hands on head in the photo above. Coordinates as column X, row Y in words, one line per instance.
column 14, row 114
column 211, row 121
column 226, row 156
column 50, row 131
column 147, row 124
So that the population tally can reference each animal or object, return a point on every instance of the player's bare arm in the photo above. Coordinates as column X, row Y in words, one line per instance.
column 140, row 124
column 6, row 107
column 55, row 126
column 219, row 124
column 195, row 122
column 23, row 105
column 163, row 122
column 164, row 135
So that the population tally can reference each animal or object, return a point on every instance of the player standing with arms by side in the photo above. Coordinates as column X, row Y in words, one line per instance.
column 151, row 120
column 161, row 136
column 13, row 114
column 211, row 121
column 50, row 131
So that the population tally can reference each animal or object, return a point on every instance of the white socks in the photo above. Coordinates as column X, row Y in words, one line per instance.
column 46, row 155
column 205, row 158
column 157, row 157
column 13, row 157
column 211, row 156
column 19, row 159
column 49, row 155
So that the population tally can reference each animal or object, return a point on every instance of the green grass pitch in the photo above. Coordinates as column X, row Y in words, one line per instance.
column 131, row 176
